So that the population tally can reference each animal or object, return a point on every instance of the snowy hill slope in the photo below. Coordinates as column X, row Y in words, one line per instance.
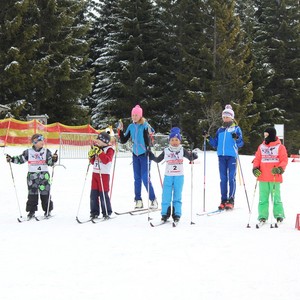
column 216, row 258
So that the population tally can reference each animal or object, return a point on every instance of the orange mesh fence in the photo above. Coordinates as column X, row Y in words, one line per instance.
column 15, row 132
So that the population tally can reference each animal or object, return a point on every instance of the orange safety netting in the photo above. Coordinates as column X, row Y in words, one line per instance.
column 15, row 132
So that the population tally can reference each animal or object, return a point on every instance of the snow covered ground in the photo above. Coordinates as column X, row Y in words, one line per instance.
column 216, row 258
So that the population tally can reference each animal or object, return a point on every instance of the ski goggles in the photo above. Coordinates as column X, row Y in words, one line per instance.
column 38, row 139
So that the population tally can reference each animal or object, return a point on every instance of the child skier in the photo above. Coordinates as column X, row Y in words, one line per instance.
column 139, row 131
column 38, row 177
column 227, row 141
column 174, row 178
column 268, row 166
column 101, row 156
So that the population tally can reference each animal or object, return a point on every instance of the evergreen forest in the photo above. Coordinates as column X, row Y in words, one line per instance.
column 91, row 61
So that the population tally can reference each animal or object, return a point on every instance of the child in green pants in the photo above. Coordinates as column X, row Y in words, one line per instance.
column 268, row 166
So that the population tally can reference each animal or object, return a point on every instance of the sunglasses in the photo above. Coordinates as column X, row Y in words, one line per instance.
column 38, row 139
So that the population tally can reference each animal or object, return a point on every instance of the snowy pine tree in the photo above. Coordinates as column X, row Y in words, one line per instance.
column 45, row 49
column 276, row 68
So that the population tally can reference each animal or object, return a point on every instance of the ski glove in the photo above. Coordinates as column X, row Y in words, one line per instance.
column 205, row 134
column 94, row 150
column 277, row 170
column 54, row 157
column 91, row 153
column 8, row 158
column 234, row 136
column 194, row 154
column 120, row 125
column 256, row 172
column 98, row 150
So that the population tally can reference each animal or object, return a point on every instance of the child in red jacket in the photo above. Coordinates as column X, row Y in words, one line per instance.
column 101, row 156
column 268, row 166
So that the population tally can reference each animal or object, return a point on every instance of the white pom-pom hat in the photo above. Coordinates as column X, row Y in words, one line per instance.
column 228, row 112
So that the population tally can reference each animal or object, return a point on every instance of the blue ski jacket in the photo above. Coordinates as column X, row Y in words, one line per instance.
column 139, row 136
column 225, row 144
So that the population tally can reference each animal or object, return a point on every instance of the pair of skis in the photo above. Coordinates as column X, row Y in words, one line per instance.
column 258, row 225
column 211, row 213
column 41, row 218
column 261, row 224
column 129, row 212
column 174, row 223
column 214, row 212
column 145, row 211
column 137, row 212
column 94, row 220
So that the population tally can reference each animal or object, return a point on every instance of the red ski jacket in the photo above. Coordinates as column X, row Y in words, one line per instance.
column 269, row 156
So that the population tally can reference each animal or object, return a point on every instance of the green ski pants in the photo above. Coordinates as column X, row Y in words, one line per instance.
column 267, row 189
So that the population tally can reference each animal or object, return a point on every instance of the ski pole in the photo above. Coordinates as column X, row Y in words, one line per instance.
column 148, row 183
column 239, row 161
column 102, row 188
column 113, row 173
column 204, row 172
column 49, row 198
column 239, row 172
column 159, row 174
column 250, row 213
column 192, row 190
column 13, row 179
column 272, row 199
column 86, row 174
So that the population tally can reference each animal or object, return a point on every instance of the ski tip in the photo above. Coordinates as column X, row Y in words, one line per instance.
column 103, row 219
column 175, row 223
column 78, row 221
column 21, row 219
column 151, row 224
column 200, row 214
column 248, row 225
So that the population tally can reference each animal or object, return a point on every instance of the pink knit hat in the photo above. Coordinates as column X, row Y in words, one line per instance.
column 137, row 110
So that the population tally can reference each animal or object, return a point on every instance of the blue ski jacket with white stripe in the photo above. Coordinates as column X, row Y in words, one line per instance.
column 139, row 134
column 225, row 144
